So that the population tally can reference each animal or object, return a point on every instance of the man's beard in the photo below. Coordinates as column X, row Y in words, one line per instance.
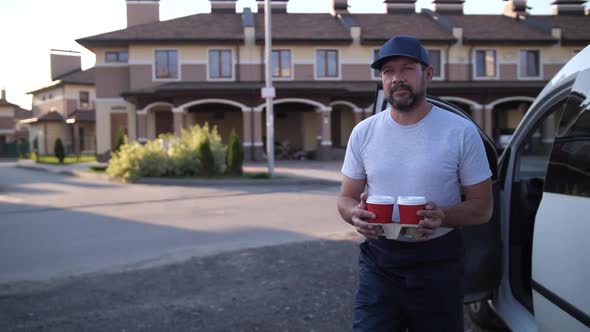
column 409, row 103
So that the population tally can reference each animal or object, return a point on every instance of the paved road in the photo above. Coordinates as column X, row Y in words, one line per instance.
column 54, row 225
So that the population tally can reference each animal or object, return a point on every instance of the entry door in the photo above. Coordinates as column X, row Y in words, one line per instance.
column 482, row 242
column 561, row 267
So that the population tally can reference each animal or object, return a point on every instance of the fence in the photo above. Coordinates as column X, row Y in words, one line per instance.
column 14, row 150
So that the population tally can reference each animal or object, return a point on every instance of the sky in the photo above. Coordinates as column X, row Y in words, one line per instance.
column 30, row 28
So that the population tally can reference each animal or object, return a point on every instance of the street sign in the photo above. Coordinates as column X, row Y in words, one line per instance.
column 267, row 92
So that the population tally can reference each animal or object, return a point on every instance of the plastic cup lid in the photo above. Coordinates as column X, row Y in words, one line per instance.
column 411, row 200
column 379, row 199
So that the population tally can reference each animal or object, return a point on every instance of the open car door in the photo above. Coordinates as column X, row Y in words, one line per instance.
column 482, row 242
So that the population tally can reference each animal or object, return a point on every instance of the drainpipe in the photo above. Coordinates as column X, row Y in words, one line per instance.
column 238, row 63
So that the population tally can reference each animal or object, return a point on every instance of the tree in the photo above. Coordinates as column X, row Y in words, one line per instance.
column 35, row 153
column 120, row 140
column 235, row 155
column 59, row 151
column 206, row 158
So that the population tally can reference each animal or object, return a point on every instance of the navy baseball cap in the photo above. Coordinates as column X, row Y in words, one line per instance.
column 401, row 46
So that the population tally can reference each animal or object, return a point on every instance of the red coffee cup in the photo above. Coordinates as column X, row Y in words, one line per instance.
column 382, row 207
column 408, row 206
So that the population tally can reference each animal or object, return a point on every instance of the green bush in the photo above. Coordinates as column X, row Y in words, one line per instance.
column 206, row 158
column 171, row 156
column 235, row 155
column 35, row 153
column 121, row 139
column 59, row 151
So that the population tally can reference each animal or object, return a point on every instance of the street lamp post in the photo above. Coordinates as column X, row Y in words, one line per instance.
column 269, row 90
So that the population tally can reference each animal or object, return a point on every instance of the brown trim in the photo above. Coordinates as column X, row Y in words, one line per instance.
column 504, row 42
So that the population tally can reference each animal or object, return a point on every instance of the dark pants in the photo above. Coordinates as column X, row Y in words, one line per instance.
column 419, row 297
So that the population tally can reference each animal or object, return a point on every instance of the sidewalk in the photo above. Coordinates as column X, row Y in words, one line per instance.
column 285, row 172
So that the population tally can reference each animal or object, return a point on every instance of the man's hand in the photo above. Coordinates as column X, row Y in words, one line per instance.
column 359, row 214
column 433, row 218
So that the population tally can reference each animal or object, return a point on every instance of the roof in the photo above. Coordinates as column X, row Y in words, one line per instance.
column 21, row 113
column 82, row 116
column 575, row 29
column 294, row 27
column 51, row 116
column 83, row 77
column 379, row 28
column 4, row 102
column 193, row 28
column 483, row 29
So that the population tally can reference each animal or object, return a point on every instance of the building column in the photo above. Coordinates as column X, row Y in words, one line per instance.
column 478, row 114
column 325, row 148
column 141, row 125
column 247, row 131
column 358, row 114
column 131, row 125
column 178, row 114
column 257, row 144
column 488, row 121
column 76, row 139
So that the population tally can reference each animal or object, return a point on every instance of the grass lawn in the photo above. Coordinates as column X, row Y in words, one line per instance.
column 47, row 159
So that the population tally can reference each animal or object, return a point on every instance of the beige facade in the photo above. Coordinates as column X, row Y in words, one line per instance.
column 64, row 109
column 313, row 113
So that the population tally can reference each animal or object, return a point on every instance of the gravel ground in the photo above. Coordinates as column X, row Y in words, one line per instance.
column 304, row 286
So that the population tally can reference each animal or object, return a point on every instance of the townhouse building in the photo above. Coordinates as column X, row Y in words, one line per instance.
column 156, row 77
column 12, row 134
column 64, row 108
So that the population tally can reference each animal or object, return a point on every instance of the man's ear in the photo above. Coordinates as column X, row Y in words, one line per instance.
column 429, row 73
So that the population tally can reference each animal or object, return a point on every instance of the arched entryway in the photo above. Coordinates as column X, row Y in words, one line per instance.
column 223, row 116
column 506, row 116
column 295, row 129
column 342, row 119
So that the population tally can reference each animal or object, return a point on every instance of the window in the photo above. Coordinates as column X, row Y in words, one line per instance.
column 326, row 63
column 529, row 64
column 376, row 72
column 435, row 62
column 220, row 64
column 281, row 63
column 84, row 99
column 485, row 64
column 166, row 64
column 116, row 56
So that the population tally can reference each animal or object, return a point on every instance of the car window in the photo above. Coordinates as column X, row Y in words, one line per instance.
column 533, row 154
column 569, row 167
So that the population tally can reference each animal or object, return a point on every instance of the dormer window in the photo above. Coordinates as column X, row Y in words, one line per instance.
column 116, row 56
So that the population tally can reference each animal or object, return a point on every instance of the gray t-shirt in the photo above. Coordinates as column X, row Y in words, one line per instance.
column 431, row 158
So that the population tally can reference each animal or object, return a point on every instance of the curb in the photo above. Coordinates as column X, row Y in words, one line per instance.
column 288, row 180
column 235, row 182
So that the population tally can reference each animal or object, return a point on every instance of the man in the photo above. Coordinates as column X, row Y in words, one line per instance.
column 413, row 149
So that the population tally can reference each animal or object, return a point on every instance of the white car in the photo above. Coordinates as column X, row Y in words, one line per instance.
column 528, row 268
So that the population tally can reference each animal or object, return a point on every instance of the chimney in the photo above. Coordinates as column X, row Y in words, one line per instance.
column 568, row 7
column 142, row 12
column 400, row 6
column 339, row 7
column 449, row 7
column 63, row 62
column 276, row 6
column 3, row 94
column 223, row 6
column 249, row 26
column 515, row 8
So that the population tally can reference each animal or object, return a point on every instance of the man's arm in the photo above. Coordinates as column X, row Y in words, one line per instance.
column 475, row 210
column 353, row 210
